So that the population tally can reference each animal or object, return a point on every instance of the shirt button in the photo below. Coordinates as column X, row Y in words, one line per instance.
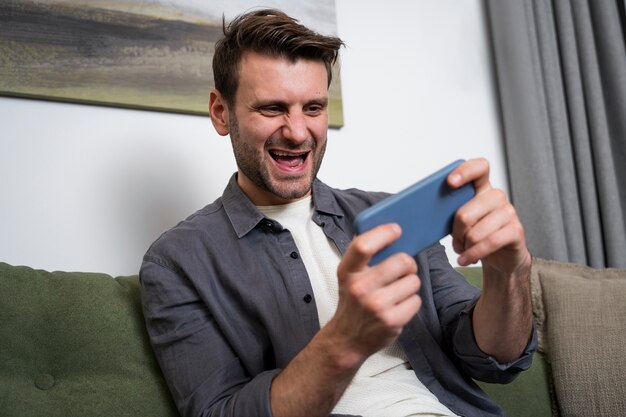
column 307, row 298
column 294, row 255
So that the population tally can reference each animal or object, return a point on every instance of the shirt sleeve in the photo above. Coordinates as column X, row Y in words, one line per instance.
column 482, row 366
column 455, row 299
column 204, row 375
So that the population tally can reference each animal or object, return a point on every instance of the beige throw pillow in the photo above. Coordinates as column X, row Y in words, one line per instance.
column 580, row 314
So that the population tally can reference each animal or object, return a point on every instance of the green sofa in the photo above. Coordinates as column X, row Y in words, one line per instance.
column 74, row 344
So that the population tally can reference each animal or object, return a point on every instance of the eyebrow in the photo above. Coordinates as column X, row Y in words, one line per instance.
column 321, row 101
column 264, row 103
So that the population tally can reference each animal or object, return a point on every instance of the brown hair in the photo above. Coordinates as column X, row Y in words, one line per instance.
column 272, row 32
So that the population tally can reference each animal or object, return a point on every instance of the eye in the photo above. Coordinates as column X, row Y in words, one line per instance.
column 314, row 109
column 270, row 110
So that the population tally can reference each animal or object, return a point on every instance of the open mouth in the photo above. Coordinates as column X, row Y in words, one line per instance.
column 289, row 160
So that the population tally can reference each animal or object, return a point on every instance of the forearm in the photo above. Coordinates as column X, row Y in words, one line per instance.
column 502, row 318
column 315, row 379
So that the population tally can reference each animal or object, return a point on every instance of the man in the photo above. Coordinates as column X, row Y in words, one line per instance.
column 263, row 302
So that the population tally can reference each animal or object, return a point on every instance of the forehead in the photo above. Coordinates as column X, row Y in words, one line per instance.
column 264, row 75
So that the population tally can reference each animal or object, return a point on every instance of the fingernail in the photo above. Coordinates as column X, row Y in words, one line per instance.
column 455, row 179
column 462, row 260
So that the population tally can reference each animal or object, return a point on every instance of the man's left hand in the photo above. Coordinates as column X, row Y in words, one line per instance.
column 487, row 228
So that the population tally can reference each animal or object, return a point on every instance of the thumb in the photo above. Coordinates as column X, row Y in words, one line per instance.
column 364, row 246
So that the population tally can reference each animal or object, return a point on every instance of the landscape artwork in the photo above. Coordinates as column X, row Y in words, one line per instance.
column 145, row 54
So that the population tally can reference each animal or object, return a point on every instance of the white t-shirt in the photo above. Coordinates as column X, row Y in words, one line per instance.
column 385, row 385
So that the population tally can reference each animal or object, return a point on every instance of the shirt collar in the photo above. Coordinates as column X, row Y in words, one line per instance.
column 244, row 216
column 241, row 212
column 324, row 199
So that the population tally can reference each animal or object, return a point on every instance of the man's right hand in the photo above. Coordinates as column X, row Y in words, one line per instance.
column 374, row 302
column 374, row 305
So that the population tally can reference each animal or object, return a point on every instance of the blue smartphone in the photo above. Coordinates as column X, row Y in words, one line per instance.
column 424, row 211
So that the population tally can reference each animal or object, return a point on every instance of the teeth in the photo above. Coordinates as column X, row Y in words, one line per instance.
column 277, row 153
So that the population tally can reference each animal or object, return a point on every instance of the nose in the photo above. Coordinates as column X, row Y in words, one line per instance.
column 296, row 128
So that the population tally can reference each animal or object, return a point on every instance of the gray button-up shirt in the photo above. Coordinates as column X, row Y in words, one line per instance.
column 228, row 303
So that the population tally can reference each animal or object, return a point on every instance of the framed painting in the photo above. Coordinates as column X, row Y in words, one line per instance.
column 145, row 54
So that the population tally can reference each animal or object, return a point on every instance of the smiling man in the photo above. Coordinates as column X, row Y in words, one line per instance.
column 277, row 125
column 263, row 303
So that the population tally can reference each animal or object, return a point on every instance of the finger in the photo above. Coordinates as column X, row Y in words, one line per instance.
column 382, row 274
column 474, row 171
column 397, row 265
column 489, row 224
column 511, row 234
column 366, row 245
column 472, row 212
column 394, row 293
column 400, row 314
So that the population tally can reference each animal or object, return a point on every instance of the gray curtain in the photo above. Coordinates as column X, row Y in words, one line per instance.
column 561, row 70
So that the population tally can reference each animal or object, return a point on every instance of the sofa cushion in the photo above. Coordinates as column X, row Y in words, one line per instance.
column 581, row 315
column 74, row 344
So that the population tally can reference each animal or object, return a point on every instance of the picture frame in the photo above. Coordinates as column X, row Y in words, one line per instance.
column 141, row 54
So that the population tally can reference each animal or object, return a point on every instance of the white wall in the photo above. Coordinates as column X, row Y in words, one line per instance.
column 89, row 188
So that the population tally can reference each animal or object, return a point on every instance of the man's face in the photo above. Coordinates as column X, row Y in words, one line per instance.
column 278, row 127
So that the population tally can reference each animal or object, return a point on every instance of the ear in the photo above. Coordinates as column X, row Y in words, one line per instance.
column 218, row 109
